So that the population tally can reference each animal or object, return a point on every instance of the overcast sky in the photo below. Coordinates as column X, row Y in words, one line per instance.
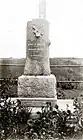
column 66, row 27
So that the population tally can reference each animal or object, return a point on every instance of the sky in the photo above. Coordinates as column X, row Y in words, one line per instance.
column 66, row 27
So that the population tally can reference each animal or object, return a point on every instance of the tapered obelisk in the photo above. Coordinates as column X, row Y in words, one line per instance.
column 37, row 84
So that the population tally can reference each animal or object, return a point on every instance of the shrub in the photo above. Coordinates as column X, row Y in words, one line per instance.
column 11, row 115
column 16, row 121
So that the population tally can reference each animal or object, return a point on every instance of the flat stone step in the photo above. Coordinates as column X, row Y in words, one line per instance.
column 36, row 102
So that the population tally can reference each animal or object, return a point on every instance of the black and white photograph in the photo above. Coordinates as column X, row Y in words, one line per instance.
column 41, row 69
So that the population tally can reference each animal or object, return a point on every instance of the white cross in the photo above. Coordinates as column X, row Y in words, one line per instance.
column 42, row 9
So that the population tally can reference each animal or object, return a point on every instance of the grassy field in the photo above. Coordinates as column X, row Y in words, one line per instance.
column 62, row 73
column 70, row 94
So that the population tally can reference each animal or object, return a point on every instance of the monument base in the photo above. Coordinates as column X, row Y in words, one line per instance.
column 37, row 86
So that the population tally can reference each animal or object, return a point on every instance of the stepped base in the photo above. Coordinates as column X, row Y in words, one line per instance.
column 36, row 102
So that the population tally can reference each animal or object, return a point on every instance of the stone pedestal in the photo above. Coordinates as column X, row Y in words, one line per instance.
column 37, row 86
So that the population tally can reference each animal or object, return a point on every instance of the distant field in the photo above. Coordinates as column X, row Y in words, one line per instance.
column 12, row 68
column 62, row 73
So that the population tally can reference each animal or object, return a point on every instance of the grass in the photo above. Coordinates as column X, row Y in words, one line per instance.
column 70, row 94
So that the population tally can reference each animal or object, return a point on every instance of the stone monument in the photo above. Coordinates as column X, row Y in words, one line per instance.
column 37, row 84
